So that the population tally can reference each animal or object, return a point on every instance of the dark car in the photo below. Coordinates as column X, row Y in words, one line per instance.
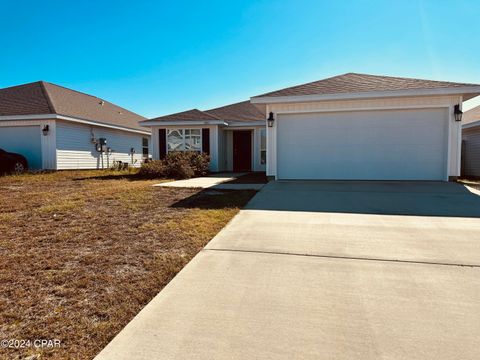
column 12, row 162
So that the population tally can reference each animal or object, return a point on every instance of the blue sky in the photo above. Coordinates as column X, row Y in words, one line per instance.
column 159, row 57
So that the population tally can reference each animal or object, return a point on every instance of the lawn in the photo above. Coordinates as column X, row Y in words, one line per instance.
column 83, row 251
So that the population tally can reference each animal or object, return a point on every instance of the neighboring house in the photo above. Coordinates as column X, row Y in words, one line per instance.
column 471, row 143
column 348, row 127
column 58, row 128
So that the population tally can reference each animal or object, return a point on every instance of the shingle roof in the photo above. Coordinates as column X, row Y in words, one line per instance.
column 189, row 115
column 41, row 97
column 242, row 111
column 356, row 83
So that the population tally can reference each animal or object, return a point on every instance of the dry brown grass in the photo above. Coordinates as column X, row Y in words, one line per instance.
column 82, row 252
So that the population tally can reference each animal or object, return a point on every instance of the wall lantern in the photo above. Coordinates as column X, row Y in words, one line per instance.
column 45, row 130
column 457, row 113
column 270, row 119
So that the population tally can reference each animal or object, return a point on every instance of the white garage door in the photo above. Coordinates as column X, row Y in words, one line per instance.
column 363, row 145
column 24, row 140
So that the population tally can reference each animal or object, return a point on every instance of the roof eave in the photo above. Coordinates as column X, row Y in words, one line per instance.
column 246, row 123
column 467, row 92
column 72, row 119
column 149, row 123
column 471, row 124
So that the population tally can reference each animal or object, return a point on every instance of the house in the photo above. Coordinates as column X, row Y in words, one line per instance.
column 234, row 136
column 347, row 127
column 58, row 128
column 471, row 143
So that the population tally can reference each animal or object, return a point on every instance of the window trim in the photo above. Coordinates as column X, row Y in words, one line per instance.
column 145, row 156
column 183, row 132
column 260, row 147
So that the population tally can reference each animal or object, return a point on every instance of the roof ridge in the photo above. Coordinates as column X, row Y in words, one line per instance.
column 47, row 97
column 207, row 113
column 85, row 94
column 79, row 92
column 228, row 105
column 409, row 78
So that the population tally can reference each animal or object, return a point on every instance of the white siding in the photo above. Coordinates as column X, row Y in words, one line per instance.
column 75, row 150
column 222, row 152
column 420, row 102
column 471, row 137
column 47, row 142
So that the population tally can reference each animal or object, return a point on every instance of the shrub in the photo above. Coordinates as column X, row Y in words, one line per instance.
column 153, row 169
column 184, row 165
column 177, row 165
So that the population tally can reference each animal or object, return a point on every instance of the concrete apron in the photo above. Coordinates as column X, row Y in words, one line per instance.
column 203, row 181
column 369, row 285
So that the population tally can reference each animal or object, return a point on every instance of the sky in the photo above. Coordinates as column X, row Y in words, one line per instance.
column 160, row 57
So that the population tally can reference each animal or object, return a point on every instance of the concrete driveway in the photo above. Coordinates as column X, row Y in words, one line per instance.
column 326, row 270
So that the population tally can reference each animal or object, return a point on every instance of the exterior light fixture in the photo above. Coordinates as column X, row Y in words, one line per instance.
column 457, row 113
column 45, row 130
column 270, row 119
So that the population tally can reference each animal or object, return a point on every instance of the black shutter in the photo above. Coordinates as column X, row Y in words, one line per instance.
column 162, row 143
column 206, row 141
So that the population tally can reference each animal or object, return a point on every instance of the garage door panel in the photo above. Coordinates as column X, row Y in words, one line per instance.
column 24, row 140
column 368, row 145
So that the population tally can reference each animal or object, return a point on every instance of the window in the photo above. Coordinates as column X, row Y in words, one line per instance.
column 184, row 140
column 263, row 146
column 145, row 148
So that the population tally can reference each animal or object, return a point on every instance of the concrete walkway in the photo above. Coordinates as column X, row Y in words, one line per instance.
column 325, row 270
column 216, row 181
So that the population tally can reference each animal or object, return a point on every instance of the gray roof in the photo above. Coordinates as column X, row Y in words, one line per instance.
column 242, row 111
column 189, row 115
column 357, row 83
column 41, row 97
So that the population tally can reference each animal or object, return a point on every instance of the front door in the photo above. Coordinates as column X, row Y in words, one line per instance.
column 242, row 150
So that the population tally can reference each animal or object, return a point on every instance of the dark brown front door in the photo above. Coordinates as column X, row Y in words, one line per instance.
column 242, row 150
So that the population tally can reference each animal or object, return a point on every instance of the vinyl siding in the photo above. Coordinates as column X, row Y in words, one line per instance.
column 75, row 150
column 471, row 138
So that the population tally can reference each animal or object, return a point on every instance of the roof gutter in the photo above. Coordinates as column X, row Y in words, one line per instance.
column 72, row 119
column 467, row 90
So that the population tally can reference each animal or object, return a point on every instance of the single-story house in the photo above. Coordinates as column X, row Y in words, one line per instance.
column 58, row 128
column 471, row 143
column 347, row 127
column 234, row 136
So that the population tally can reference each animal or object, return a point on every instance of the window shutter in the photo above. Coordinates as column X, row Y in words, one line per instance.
column 206, row 141
column 162, row 143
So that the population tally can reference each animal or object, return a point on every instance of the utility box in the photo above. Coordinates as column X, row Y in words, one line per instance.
column 102, row 145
